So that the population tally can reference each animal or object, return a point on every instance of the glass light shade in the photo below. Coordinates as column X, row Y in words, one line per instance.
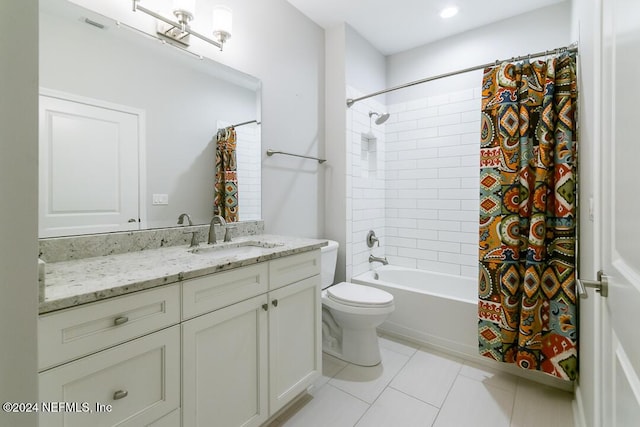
column 188, row 6
column 222, row 19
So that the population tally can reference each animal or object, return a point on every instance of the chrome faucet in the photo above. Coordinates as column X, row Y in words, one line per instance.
column 378, row 259
column 212, row 231
column 194, row 235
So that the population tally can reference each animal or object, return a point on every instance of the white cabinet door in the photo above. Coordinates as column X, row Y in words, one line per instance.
column 89, row 166
column 224, row 378
column 620, row 231
column 140, row 380
column 295, row 352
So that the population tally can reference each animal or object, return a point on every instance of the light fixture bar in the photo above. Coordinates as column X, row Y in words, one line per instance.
column 183, row 27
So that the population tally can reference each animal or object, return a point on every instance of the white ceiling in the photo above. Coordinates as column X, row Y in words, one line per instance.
column 398, row 25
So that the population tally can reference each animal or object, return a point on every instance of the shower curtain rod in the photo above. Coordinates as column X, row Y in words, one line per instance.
column 242, row 124
column 571, row 48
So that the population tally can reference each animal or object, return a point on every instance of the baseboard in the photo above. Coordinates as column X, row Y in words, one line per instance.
column 425, row 338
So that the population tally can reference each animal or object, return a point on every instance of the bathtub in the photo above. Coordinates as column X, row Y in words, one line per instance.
column 439, row 310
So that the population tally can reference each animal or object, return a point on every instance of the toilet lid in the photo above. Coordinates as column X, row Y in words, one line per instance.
column 359, row 296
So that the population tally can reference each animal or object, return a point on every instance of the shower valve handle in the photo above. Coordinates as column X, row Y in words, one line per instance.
column 371, row 239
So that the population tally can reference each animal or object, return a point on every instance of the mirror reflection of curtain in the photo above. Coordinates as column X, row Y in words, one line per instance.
column 527, row 302
column 226, row 185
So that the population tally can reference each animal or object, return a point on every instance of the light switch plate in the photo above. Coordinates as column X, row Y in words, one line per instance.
column 160, row 199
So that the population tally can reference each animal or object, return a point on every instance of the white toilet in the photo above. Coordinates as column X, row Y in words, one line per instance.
column 350, row 314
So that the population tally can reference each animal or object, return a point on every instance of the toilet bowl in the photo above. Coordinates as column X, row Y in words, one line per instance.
column 350, row 315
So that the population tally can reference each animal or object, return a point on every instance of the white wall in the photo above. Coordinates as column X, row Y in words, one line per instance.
column 335, row 201
column 276, row 43
column 366, row 67
column 536, row 31
column 18, row 214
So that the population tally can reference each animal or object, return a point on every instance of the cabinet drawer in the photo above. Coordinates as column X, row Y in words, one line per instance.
column 283, row 271
column 215, row 291
column 139, row 379
column 72, row 333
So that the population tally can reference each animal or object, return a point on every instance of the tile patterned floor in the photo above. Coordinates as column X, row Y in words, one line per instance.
column 421, row 387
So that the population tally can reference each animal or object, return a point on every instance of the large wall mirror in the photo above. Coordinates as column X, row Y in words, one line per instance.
column 100, row 80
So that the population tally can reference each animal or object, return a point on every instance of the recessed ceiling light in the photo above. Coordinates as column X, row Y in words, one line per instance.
column 448, row 12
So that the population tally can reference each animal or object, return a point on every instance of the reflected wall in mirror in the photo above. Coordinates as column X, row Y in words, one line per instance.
column 182, row 101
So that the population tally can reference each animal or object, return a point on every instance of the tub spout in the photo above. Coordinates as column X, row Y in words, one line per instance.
column 378, row 259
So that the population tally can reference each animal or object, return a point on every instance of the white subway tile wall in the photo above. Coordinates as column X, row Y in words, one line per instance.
column 248, row 158
column 432, row 187
column 421, row 196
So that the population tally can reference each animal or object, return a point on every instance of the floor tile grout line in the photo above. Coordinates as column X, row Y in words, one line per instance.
column 444, row 401
column 346, row 392
column 414, row 397
column 388, row 385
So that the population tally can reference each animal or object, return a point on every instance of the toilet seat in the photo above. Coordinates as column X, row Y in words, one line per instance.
column 359, row 296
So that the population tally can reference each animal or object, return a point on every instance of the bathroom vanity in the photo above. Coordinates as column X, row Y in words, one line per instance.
column 226, row 335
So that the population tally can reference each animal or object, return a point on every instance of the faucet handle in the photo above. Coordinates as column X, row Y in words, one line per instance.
column 227, row 232
column 194, row 238
column 371, row 239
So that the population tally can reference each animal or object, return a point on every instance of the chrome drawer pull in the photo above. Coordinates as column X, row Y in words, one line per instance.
column 120, row 394
column 120, row 320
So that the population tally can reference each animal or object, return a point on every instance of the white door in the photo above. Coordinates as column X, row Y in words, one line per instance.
column 621, row 213
column 89, row 162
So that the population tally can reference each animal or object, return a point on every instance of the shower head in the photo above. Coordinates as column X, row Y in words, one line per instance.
column 381, row 117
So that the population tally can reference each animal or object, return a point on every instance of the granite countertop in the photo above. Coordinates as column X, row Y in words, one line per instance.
column 71, row 283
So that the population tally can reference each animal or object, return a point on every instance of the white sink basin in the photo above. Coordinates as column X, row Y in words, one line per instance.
column 246, row 248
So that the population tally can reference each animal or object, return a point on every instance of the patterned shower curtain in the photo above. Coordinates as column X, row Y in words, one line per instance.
column 527, row 300
column 226, row 185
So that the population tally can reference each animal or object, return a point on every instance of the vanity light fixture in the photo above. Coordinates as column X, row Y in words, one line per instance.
column 449, row 12
column 180, row 31
column 222, row 19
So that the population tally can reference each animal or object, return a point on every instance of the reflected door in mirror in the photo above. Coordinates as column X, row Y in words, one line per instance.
column 89, row 162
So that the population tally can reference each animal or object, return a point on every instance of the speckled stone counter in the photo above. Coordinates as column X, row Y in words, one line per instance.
column 79, row 281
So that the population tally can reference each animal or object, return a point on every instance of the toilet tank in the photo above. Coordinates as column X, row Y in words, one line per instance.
column 328, row 259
